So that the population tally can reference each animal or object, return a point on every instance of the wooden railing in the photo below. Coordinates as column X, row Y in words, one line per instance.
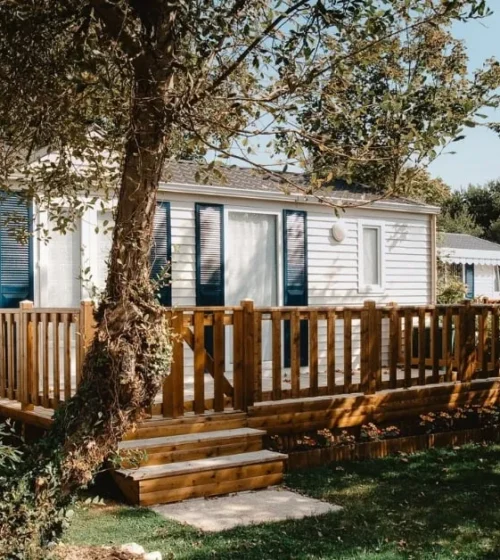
column 348, row 350
column 233, row 357
column 41, row 352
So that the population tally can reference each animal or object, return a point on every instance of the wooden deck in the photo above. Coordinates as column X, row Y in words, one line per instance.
column 241, row 374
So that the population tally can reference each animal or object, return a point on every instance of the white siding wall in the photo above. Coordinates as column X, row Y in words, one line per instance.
column 333, row 267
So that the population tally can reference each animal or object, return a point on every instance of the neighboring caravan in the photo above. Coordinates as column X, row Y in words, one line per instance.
column 474, row 261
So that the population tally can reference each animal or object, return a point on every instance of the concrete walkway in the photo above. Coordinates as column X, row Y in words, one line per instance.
column 244, row 508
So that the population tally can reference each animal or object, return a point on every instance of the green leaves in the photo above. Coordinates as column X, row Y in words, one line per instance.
column 399, row 94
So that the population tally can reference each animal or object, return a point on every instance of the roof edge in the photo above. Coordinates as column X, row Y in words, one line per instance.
column 231, row 192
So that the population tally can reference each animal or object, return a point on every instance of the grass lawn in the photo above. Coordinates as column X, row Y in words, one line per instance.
column 438, row 504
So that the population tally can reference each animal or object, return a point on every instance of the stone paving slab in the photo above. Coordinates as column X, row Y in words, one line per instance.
column 244, row 508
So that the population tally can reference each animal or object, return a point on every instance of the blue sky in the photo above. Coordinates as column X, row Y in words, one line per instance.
column 477, row 158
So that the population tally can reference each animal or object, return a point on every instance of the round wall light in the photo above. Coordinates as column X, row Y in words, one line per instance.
column 338, row 232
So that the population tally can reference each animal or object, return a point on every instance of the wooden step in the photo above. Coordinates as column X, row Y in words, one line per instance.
column 205, row 477
column 188, row 424
column 186, row 447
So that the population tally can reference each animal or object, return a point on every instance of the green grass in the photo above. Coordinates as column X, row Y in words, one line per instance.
column 440, row 504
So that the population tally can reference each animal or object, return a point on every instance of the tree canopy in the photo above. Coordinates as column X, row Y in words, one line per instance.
column 474, row 210
column 391, row 109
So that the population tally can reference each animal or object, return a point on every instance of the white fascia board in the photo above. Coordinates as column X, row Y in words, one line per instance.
column 230, row 192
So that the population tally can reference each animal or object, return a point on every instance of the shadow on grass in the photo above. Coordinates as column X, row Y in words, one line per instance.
column 435, row 505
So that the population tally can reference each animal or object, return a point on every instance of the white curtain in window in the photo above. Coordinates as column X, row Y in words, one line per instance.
column 251, row 270
column 371, row 256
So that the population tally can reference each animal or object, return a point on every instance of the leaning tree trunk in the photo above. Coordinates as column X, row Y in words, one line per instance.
column 130, row 353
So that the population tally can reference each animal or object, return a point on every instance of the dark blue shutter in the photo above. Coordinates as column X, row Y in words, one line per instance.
column 16, row 271
column 161, row 251
column 295, row 276
column 469, row 280
column 209, row 232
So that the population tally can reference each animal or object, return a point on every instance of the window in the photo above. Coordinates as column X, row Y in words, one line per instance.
column 497, row 278
column 370, row 262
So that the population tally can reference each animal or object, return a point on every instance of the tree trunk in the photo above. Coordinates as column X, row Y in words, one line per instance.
column 129, row 356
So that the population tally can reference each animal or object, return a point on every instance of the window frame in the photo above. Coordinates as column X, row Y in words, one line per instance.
column 363, row 287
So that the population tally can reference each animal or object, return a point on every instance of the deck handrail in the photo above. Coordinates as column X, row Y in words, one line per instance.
column 233, row 357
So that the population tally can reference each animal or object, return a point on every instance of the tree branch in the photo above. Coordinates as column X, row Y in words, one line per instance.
column 251, row 47
column 113, row 20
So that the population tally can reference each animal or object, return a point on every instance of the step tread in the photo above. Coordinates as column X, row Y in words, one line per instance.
column 196, row 437
column 211, row 463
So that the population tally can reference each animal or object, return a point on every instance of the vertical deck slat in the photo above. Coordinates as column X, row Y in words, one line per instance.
column 78, row 352
column 199, row 362
column 377, row 348
column 347, row 350
column 483, row 341
column 313, row 353
column 434, row 345
column 45, row 361
column 295, row 351
column 54, row 319
column 177, row 369
column 421, row 346
column 10, row 357
column 258, row 355
column 67, row 355
column 30, row 359
column 365, row 350
column 494, row 341
column 3, row 365
column 330, row 351
column 394, row 345
column 458, row 342
column 219, row 349
column 167, row 403
column 407, row 339
column 238, row 342
column 447, row 344
column 276, row 328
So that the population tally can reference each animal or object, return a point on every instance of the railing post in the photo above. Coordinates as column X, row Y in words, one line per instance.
column 248, row 353
column 25, row 341
column 467, row 342
column 87, row 327
column 370, row 334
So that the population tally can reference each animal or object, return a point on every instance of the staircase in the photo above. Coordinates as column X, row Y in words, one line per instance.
column 195, row 457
